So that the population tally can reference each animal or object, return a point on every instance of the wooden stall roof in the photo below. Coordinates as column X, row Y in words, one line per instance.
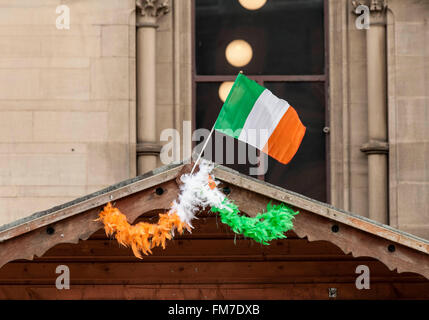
column 154, row 191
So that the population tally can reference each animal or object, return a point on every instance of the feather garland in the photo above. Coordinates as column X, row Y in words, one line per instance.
column 143, row 236
column 263, row 228
column 198, row 191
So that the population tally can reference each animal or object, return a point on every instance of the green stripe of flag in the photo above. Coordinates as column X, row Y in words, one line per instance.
column 238, row 105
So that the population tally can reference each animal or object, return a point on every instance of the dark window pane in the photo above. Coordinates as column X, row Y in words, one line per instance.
column 287, row 36
column 306, row 173
column 208, row 107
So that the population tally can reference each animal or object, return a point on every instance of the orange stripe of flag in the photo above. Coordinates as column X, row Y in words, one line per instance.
column 286, row 137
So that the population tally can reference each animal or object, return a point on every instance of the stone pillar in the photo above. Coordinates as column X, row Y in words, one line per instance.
column 148, row 147
column 377, row 147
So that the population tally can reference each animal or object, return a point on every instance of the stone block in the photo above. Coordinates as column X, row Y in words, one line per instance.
column 43, row 148
column 16, row 126
column 409, row 11
column 358, row 124
column 53, row 105
column 114, row 41
column 412, row 120
column 357, row 44
column 413, row 205
column 70, row 126
column 28, row 3
column 413, row 162
column 166, row 121
column 185, row 48
column 71, row 46
column 132, row 79
column 95, row 12
column 409, row 74
column 164, row 83
column 65, row 84
column 8, row 191
column 43, row 15
column 19, row 84
column 419, row 230
column 410, row 39
column 186, row 89
column 118, row 121
column 359, row 201
column 358, row 82
column 108, row 163
column 12, row 209
column 43, row 63
column 132, row 40
column 49, row 30
column 13, row 47
column 132, row 122
column 52, row 191
column 164, row 47
column 43, row 169
column 110, row 78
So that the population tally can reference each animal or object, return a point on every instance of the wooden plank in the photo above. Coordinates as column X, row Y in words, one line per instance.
column 201, row 249
column 349, row 238
column 91, row 203
column 273, row 192
column 362, row 244
column 251, row 198
column 292, row 291
column 37, row 242
column 205, row 228
column 308, row 225
column 198, row 272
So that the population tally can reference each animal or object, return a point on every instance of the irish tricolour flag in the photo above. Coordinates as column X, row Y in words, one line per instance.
column 255, row 116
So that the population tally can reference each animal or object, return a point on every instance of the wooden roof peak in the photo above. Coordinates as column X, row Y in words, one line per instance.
column 27, row 237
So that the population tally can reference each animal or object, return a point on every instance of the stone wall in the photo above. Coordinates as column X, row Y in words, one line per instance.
column 408, row 112
column 408, row 70
column 173, row 75
column 67, row 101
column 348, row 109
column 68, row 112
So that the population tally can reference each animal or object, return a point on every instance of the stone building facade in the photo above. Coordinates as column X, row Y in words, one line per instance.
column 84, row 107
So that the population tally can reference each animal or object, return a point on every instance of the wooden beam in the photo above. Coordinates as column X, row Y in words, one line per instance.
column 81, row 226
column 273, row 192
column 292, row 291
column 90, row 203
column 348, row 238
column 197, row 272
column 316, row 221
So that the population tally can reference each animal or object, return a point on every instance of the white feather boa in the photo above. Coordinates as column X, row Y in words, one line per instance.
column 196, row 194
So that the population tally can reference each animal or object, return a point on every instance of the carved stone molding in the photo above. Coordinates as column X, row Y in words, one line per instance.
column 150, row 148
column 375, row 147
column 152, row 8
column 373, row 5
column 377, row 9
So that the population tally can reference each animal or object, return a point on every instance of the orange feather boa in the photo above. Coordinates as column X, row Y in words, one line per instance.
column 143, row 236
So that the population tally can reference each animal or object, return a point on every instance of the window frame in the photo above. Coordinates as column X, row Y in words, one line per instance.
column 261, row 79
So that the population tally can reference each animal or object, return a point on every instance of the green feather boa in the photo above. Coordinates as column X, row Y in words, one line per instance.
column 264, row 227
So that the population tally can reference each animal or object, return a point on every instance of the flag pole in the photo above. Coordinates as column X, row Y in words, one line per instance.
column 205, row 145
